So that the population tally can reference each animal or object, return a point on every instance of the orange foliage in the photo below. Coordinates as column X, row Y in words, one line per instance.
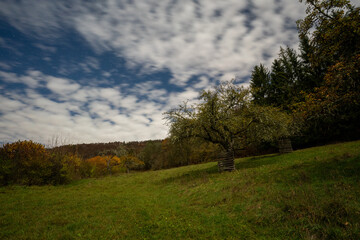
column 102, row 165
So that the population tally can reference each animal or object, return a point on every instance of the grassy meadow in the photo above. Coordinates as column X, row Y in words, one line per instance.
column 308, row 194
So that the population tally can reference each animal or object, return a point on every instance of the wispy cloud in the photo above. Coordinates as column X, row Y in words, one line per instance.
column 6, row 44
column 46, row 48
column 192, row 38
column 5, row 66
column 88, row 114
column 89, row 64
column 189, row 38
column 40, row 18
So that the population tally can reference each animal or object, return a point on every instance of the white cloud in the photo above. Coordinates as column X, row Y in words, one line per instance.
column 9, row 105
column 189, row 38
column 89, row 64
column 150, row 90
column 106, row 74
column 32, row 79
column 188, row 43
column 189, row 95
column 87, row 114
column 8, row 44
column 46, row 48
column 38, row 17
column 61, row 86
column 9, row 77
column 5, row 66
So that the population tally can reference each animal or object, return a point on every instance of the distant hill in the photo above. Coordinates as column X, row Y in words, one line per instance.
column 89, row 150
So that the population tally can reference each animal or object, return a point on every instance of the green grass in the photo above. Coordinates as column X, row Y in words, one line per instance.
column 308, row 194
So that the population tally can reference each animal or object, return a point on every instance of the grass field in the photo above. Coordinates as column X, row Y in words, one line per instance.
column 308, row 194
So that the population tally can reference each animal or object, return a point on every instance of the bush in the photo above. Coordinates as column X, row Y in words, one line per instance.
column 104, row 165
column 29, row 163
column 108, row 165
column 67, row 167
column 25, row 162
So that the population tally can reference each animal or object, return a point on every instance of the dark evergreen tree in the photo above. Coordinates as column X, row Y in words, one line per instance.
column 260, row 83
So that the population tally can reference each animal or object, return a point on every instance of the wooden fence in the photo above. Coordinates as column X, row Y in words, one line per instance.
column 226, row 161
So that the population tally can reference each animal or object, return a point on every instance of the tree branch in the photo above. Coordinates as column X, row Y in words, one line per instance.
column 320, row 10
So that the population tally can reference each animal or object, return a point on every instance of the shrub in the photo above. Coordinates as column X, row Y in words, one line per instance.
column 25, row 162
column 104, row 165
column 108, row 165
column 131, row 163
column 97, row 166
column 66, row 167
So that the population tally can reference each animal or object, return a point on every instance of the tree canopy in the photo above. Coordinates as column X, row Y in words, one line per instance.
column 227, row 117
column 321, row 82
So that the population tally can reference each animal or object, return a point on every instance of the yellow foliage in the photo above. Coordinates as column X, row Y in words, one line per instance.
column 25, row 162
column 71, row 165
column 102, row 165
column 131, row 162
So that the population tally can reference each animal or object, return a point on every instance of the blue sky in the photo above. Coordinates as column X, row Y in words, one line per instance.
column 103, row 71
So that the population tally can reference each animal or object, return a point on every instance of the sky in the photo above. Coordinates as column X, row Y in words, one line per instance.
column 105, row 71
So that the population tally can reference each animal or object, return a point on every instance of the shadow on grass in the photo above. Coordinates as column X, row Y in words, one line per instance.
column 344, row 166
column 256, row 162
column 213, row 171
column 195, row 175
column 337, row 168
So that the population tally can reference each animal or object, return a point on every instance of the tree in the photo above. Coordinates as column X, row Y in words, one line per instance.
column 331, row 110
column 279, row 87
column 225, row 116
column 260, row 85
column 312, row 74
column 121, row 156
column 25, row 162
column 97, row 166
column 336, row 34
column 131, row 162
column 111, row 157
column 150, row 154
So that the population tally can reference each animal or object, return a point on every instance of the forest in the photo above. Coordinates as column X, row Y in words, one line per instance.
column 309, row 96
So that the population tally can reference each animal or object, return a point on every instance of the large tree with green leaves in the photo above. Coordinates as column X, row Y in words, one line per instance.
column 226, row 116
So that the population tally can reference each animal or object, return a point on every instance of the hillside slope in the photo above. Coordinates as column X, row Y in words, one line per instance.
column 308, row 194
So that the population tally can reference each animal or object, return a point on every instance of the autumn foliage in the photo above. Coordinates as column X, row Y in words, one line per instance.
column 25, row 162
column 29, row 163
column 103, row 165
column 108, row 165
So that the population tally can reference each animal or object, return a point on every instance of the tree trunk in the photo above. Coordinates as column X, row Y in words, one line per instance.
column 108, row 166
column 226, row 161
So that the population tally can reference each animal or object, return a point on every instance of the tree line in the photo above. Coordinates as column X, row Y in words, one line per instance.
column 319, row 84
column 30, row 163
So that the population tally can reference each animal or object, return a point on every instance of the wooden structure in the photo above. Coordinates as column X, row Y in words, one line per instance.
column 226, row 161
column 285, row 145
